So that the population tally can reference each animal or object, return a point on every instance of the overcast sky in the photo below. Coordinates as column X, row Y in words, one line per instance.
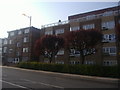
column 42, row 13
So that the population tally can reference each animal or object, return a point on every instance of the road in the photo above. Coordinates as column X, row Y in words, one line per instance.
column 31, row 80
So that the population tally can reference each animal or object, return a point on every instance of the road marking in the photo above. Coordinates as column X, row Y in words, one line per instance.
column 43, row 83
column 13, row 84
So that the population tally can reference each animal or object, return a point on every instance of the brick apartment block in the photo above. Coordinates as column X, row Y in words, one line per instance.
column 20, row 43
column 105, row 20
column 19, row 46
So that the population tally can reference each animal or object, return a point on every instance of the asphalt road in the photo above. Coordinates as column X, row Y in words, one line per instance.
column 13, row 78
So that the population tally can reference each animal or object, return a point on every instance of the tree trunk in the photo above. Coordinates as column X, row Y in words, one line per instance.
column 50, row 59
column 82, row 57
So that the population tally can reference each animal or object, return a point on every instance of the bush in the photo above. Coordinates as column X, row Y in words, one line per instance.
column 93, row 70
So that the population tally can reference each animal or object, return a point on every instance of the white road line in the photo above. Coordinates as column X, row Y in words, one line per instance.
column 43, row 84
column 13, row 84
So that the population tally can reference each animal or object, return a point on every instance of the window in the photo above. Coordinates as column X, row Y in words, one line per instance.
column 11, row 33
column 74, row 52
column 10, row 59
column 75, row 28
column 89, row 17
column 74, row 62
column 109, row 62
column 26, row 39
column 10, row 50
column 18, row 44
column 26, row 30
column 109, row 50
column 88, row 26
column 16, row 60
column 108, row 13
column 18, row 53
column 108, row 25
column 59, row 31
column 5, row 41
column 89, row 51
column 109, row 37
column 5, row 50
column 60, row 52
column 19, row 32
column 10, row 41
column 89, row 62
column 59, row 62
column 49, row 32
column 25, row 49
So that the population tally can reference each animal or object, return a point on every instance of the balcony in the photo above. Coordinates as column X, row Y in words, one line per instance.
column 85, row 18
column 55, row 24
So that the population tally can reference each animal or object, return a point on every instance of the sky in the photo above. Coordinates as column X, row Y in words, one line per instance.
column 43, row 12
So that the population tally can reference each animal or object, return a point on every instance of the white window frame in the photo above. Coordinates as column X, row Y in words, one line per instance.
column 74, row 28
column 89, row 17
column 5, row 41
column 12, row 33
column 19, row 32
column 10, row 41
column 50, row 32
column 109, row 62
column 74, row 62
column 10, row 50
column 108, row 13
column 109, row 37
column 25, row 50
column 26, row 39
column 60, row 52
column 27, row 31
column 88, row 26
column 18, row 53
column 108, row 50
column 4, row 49
column 59, row 62
column 90, row 62
column 108, row 25
column 59, row 31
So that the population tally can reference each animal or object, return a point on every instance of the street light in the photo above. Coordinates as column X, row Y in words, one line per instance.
column 28, row 17
column 30, row 36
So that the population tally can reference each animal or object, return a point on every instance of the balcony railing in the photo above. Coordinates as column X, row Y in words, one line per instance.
column 55, row 24
column 89, row 17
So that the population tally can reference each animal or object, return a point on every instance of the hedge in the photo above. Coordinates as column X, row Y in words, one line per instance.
column 93, row 70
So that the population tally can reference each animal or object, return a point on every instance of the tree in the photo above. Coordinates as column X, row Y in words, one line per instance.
column 84, row 41
column 49, row 45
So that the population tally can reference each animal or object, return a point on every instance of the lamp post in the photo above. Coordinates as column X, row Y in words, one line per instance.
column 30, row 36
column 30, row 17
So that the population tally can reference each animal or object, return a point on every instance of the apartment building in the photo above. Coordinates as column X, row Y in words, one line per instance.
column 59, row 28
column 104, row 20
column 4, row 50
column 19, row 46
column 0, row 51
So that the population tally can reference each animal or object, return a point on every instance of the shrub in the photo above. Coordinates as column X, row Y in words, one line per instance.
column 93, row 70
